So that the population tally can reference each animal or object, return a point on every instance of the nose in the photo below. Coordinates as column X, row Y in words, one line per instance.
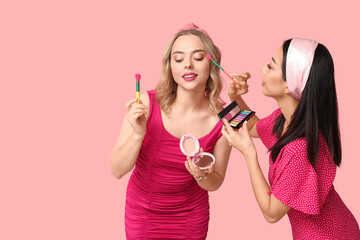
column 188, row 63
column 264, row 69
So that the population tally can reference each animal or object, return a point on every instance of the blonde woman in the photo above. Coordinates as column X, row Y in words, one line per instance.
column 167, row 196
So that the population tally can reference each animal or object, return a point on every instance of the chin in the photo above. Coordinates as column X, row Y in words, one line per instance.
column 266, row 94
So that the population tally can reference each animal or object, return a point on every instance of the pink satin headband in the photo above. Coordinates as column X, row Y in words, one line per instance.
column 195, row 27
column 299, row 59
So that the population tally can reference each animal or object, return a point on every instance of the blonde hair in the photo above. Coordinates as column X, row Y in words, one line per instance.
column 166, row 87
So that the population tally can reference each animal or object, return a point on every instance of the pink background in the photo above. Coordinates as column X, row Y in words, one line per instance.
column 67, row 68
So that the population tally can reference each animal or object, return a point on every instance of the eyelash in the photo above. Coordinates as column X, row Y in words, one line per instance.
column 268, row 65
column 180, row 60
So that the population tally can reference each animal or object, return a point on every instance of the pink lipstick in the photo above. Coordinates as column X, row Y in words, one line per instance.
column 189, row 76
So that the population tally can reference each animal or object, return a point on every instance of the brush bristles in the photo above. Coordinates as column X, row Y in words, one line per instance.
column 208, row 56
column 137, row 77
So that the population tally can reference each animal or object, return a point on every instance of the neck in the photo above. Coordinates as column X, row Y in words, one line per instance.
column 188, row 101
column 288, row 105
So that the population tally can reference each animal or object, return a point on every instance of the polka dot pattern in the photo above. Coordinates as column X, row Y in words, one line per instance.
column 317, row 211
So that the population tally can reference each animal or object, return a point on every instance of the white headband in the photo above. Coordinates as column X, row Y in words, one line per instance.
column 299, row 59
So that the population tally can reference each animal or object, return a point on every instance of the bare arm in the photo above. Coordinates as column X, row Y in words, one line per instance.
column 132, row 134
column 272, row 209
column 212, row 178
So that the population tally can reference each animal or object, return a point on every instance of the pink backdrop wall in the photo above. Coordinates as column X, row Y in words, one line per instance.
column 67, row 68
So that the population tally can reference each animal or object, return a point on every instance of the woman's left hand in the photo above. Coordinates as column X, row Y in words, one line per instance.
column 240, row 140
column 198, row 174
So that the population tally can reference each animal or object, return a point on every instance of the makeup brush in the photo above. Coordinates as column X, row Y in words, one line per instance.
column 209, row 57
column 137, row 77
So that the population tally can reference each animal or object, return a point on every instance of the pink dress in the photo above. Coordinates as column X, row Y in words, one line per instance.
column 163, row 201
column 317, row 211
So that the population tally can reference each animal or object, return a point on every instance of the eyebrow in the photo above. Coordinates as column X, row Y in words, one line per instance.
column 195, row 51
column 274, row 60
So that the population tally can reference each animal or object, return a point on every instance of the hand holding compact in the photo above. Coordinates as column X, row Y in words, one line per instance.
column 201, row 163
column 196, row 172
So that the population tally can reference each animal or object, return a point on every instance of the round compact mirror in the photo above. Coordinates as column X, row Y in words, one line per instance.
column 190, row 146
column 204, row 160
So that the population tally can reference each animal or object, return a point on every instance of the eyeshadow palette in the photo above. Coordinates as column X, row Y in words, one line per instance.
column 235, row 115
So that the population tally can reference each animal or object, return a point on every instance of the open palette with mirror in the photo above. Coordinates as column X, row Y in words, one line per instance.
column 235, row 115
column 190, row 146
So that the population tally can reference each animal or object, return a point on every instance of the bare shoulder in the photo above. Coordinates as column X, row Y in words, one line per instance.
column 214, row 119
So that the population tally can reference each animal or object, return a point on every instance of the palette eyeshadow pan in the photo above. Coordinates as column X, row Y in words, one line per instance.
column 235, row 115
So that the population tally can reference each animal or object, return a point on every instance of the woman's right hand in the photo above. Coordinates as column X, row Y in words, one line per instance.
column 240, row 140
column 136, row 115
column 240, row 87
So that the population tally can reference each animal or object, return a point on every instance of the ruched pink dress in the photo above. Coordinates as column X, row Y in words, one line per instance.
column 317, row 211
column 163, row 201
